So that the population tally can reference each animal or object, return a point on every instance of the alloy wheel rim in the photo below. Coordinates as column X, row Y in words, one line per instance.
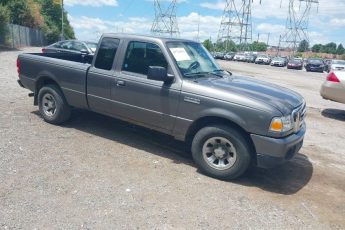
column 219, row 153
column 49, row 105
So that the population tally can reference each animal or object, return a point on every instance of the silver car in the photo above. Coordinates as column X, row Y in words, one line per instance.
column 334, row 87
column 335, row 65
column 278, row 61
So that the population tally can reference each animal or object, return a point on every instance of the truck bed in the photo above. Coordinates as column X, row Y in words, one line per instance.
column 68, row 57
column 67, row 70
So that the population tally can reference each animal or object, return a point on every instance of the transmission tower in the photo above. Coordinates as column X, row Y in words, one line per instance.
column 165, row 22
column 236, row 24
column 296, row 24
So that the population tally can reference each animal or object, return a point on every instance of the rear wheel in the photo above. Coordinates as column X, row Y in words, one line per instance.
column 52, row 105
column 221, row 152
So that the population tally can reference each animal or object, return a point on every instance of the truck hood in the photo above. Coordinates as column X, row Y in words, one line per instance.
column 281, row 98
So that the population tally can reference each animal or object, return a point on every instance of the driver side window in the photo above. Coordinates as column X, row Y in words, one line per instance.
column 141, row 55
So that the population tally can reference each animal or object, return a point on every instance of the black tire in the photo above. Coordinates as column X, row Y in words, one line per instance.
column 241, row 145
column 62, row 110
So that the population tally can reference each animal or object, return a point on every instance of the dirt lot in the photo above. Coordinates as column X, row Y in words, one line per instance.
column 96, row 172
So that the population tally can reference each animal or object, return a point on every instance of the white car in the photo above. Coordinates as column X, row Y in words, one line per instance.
column 336, row 65
column 263, row 59
column 239, row 57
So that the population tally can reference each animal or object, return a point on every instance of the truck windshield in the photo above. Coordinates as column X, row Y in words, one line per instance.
column 193, row 59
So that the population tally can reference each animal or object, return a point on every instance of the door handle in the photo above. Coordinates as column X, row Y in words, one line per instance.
column 120, row 83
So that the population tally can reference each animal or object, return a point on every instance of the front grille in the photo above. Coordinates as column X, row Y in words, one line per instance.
column 298, row 116
column 315, row 66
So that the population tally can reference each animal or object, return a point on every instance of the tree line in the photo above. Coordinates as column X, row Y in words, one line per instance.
column 329, row 48
column 230, row 46
column 37, row 14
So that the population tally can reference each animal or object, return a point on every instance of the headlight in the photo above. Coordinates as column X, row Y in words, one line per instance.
column 281, row 124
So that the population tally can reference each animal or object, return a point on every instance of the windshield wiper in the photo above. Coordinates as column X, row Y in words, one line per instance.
column 214, row 73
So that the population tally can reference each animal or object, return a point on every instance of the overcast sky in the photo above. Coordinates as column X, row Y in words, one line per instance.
column 90, row 18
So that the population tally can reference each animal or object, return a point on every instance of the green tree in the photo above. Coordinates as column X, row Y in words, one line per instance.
column 25, row 13
column 230, row 46
column 330, row 48
column 258, row 46
column 340, row 49
column 316, row 48
column 4, row 20
column 208, row 44
column 51, row 12
column 19, row 12
column 303, row 46
column 43, row 14
column 227, row 46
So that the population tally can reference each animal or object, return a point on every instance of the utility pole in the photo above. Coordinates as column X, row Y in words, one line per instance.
column 165, row 22
column 62, row 14
column 198, row 38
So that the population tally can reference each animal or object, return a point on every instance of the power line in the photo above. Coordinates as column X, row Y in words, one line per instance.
column 297, row 24
column 165, row 22
column 236, row 24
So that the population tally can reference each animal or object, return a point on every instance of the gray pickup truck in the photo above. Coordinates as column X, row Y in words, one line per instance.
column 173, row 86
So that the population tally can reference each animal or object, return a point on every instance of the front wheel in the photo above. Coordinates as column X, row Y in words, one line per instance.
column 52, row 105
column 221, row 152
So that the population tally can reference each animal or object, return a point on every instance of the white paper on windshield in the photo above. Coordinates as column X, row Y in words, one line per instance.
column 180, row 54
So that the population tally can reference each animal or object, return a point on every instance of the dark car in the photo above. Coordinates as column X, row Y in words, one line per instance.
column 295, row 64
column 229, row 56
column 71, row 46
column 250, row 58
column 219, row 55
column 315, row 65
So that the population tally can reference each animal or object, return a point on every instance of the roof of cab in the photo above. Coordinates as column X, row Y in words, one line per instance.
column 144, row 37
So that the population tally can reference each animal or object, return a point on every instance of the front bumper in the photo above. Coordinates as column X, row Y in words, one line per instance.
column 277, row 64
column 294, row 66
column 274, row 151
column 315, row 68
column 262, row 62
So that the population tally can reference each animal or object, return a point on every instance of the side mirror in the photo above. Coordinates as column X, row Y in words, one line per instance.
column 158, row 73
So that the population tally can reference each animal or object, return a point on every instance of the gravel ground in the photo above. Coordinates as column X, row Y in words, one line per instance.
column 96, row 172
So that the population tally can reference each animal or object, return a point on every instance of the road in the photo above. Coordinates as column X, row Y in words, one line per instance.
column 96, row 172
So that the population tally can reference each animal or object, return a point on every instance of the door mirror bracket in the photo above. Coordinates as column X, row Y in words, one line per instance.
column 159, row 73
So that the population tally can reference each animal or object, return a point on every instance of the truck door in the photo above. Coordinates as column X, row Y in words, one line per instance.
column 151, row 103
column 100, row 77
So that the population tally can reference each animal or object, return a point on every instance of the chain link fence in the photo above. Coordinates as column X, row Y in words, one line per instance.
column 15, row 36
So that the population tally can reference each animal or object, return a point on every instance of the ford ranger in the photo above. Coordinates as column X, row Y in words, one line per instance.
column 173, row 86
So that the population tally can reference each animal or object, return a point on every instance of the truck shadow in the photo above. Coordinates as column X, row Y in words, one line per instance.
column 286, row 179
column 336, row 114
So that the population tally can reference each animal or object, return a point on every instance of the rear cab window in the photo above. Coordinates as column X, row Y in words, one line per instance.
column 106, row 53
